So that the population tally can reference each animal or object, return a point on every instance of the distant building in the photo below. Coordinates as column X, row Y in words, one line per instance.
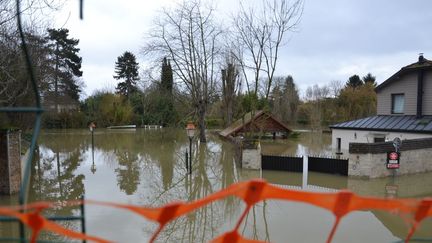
column 404, row 110
column 62, row 103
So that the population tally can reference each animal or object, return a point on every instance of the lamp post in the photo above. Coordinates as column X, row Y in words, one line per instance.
column 92, row 126
column 190, row 131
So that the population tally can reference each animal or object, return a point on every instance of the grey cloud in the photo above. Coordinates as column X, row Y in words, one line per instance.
column 360, row 27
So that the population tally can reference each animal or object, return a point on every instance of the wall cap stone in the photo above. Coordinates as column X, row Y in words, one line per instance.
column 383, row 147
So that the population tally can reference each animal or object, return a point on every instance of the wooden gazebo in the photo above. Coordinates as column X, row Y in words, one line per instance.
column 261, row 122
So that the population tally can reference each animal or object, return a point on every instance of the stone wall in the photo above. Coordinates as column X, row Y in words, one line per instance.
column 370, row 159
column 251, row 158
column 10, row 161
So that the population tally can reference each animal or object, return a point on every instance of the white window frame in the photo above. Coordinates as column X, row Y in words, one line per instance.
column 397, row 103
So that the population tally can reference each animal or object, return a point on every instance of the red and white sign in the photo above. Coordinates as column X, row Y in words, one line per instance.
column 393, row 160
column 393, row 156
column 392, row 166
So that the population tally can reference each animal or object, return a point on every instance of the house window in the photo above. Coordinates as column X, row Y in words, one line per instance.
column 379, row 139
column 398, row 103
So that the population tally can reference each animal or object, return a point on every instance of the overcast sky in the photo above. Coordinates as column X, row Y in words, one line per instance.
column 335, row 39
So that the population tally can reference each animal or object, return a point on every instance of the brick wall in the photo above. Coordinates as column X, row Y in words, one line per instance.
column 10, row 161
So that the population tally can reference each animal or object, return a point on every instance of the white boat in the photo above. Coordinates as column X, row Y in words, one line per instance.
column 122, row 127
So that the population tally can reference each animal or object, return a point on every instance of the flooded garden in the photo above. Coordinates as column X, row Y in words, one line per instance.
column 147, row 167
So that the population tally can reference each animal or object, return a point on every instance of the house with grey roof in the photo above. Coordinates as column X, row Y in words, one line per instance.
column 404, row 110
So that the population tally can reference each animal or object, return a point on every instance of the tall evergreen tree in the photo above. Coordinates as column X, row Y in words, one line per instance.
column 354, row 81
column 126, row 68
column 66, row 63
column 166, row 76
column 165, row 103
column 369, row 79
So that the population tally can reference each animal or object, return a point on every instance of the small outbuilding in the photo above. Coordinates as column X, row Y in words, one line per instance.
column 260, row 122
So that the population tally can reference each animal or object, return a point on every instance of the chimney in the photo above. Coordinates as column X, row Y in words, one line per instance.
column 421, row 58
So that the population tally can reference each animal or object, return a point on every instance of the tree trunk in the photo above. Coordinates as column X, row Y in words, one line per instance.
column 229, row 81
column 56, row 95
column 229, row 112
column 228, row 98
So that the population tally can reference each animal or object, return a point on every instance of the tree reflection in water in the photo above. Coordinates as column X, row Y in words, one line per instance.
column 211, row 172
column 149, row 169
column 54, row 178
column 128, row 171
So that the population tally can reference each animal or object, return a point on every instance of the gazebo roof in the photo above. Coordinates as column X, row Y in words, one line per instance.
column 262, row 121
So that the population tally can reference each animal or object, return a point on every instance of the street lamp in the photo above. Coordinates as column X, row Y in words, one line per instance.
column 190, row 131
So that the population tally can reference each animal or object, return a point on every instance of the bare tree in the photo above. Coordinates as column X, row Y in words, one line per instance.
column 14, row 81
column 316, row 93
column 261, row 35
column 335, row 87
column 316, row 96
column 34, row 11
column 189, row 36
column 9, row 50
column 14, row 84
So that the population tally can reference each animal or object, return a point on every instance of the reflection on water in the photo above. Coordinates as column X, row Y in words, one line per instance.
column 147, row 167
column 308, row 143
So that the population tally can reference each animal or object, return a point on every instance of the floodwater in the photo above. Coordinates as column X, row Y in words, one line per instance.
column 147, row 167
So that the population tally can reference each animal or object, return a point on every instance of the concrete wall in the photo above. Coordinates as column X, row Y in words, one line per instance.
column 407, row 84
column 359, row 136
column 369, row 160
column 10, row 162
column 251, row 158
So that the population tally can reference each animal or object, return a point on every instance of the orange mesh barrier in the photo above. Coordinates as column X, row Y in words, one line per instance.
column 251, row 192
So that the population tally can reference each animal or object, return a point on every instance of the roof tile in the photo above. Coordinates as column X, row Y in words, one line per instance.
column 389, row 123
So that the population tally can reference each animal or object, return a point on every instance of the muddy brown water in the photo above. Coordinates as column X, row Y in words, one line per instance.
column 146, row 167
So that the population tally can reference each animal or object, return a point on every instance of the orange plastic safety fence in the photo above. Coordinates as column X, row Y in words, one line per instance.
column 36, row 222
column 251, row 192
